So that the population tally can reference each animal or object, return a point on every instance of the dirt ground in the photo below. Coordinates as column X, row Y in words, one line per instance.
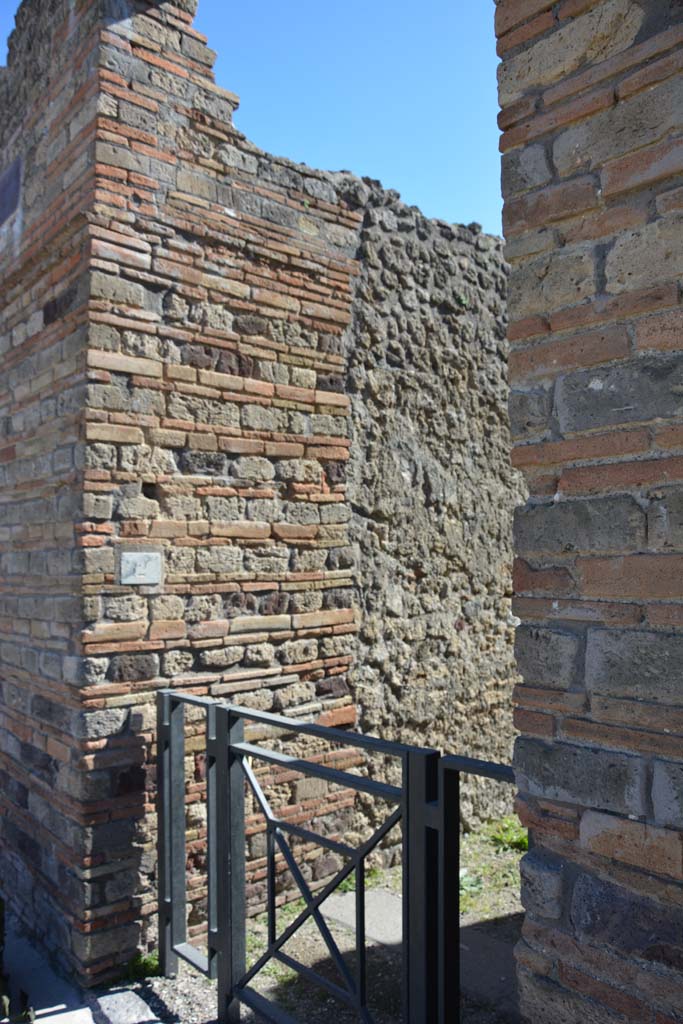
column 490, row 912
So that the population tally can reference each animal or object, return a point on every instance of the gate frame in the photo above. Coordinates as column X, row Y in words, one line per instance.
column 428, row 809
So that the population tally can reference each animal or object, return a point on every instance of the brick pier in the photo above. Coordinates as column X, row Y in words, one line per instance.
column 592, row 112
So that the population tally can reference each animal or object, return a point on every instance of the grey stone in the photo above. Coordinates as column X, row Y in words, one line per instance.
column 133, row 668
column 646, row 256
column 635, row 665
column 549, row 658
column 259, row 654
column 202, row 607
column 99, row 724
column 221, row 657
column 298, row 651
column 223, row 559
column 524, row 169
column 298, row 470
column 667, row 794
column 600, row 33
column 651, row 385
column 608, row 915
column 598, row 524
column 530, row 412
column 116, row 289
column 204, row 464
column 267, row 560
column 127, row 608
column 599, row 779
column 561, row 277
column 542, row 885
column 665, row 520
column 254, row 468
column 639, row 121
column 167, row 606
column 175, row 663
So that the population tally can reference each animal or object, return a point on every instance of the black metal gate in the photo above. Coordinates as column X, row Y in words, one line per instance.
column 426, row 806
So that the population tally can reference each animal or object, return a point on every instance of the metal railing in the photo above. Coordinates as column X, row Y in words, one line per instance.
column 426, row 807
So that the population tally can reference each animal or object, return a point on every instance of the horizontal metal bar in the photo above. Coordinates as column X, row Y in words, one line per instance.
column 357, row 782
column 189, row 698
column 317, row 979
column 349, row 739
column 186, row 951
column 268, row 1011
column 486, row 769
column 314, row 837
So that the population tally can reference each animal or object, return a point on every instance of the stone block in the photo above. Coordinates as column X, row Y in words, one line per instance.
column 254, row 468
column 549, row 658
column 133, row 668
column 542, row 885
column 530, row 412
column 634, row 926
column 606, row 30
column 259, row 654
column 581, row 775
column 599, row 524
column 223, row 559
column 640, row 121
column 221, row 657
column 525, row 169
column 116, row 289
column 665, row 520
column 646, row 256
column 548, row 282
column 667, row 794
column 608, row 396
column 635, row 665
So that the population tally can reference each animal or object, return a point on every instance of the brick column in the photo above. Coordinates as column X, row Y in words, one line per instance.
column 592, row 113
column 171, row 323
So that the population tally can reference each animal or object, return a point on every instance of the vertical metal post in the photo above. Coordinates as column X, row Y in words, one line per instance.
column 171, row 829
column 361, row 953
column 272, row 909
column 213, row 756
column 449, row 893
column 230, row 941
column 420, row 888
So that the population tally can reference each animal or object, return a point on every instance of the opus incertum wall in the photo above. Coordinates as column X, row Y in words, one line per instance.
column 195, row 340
column 592, row 118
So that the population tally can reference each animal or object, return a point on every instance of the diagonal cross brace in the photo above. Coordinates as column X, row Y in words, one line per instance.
column 305, row 891
column 341, row 875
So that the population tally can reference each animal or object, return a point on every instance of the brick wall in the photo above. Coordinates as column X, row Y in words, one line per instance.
column 46, row 147
column 176, row 310
column 171, row 363
column 592, row 114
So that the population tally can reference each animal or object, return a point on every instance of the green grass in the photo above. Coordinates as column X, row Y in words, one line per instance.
column 373, row 879
column 508, row 834
column 489, row 882
column 143, row 965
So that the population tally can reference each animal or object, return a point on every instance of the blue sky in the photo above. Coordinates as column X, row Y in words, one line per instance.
column 369, row 87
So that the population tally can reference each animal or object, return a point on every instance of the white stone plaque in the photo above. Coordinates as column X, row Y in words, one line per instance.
column 141, row 568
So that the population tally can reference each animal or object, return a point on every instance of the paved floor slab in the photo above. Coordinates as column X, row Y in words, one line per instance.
column 54, row 1000
column 383, row 914
column 487, row 966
